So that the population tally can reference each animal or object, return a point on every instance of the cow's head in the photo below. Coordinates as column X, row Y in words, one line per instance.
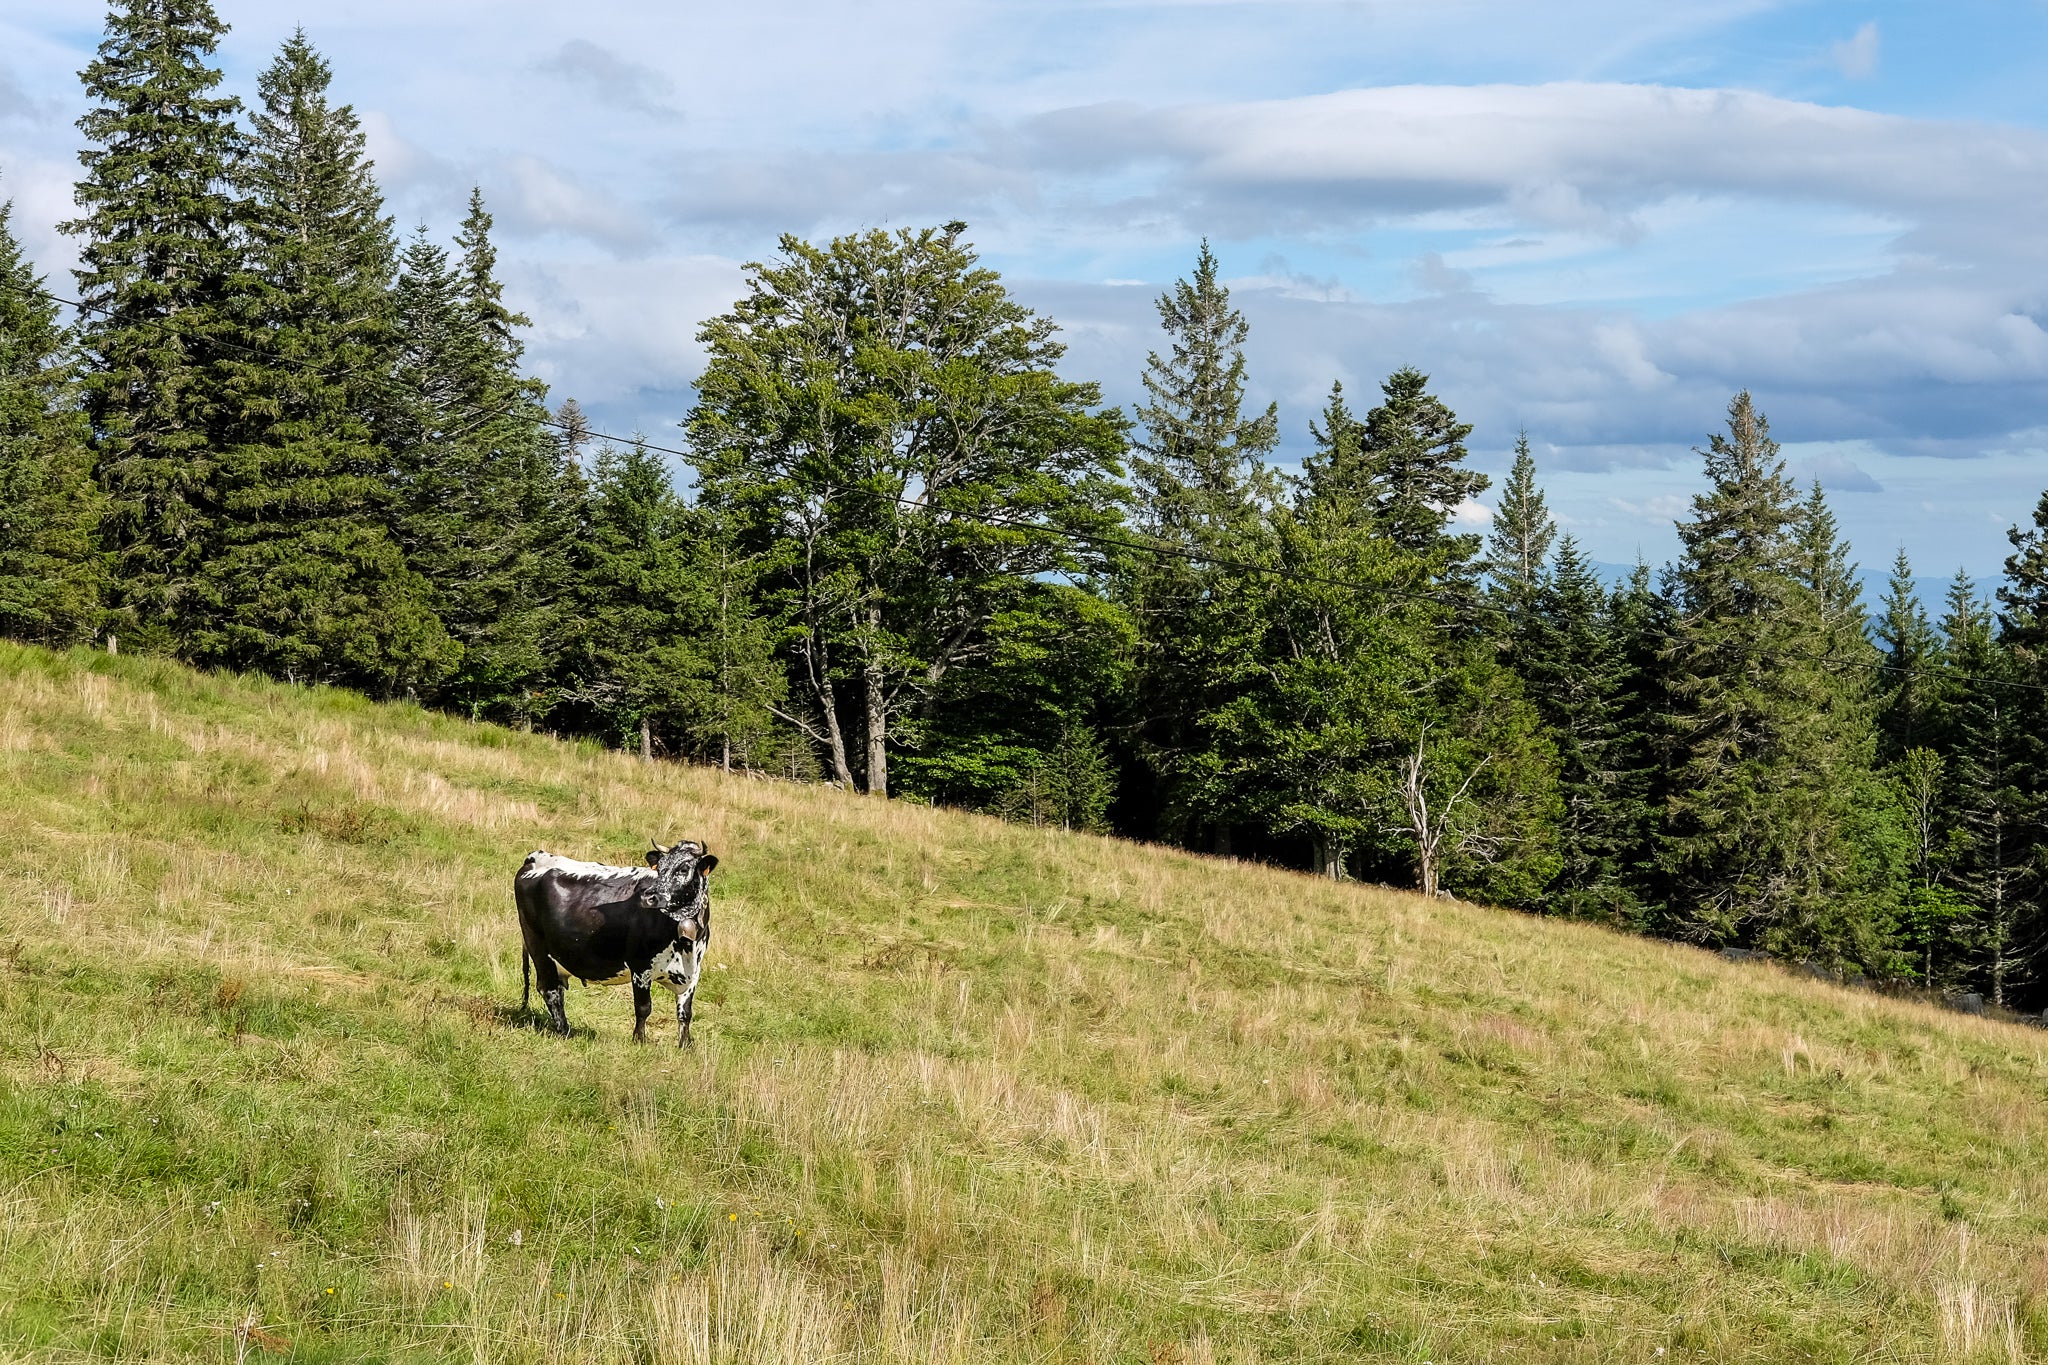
column 682, row 882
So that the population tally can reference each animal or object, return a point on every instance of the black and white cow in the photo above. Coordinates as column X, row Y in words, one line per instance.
column 601, row 923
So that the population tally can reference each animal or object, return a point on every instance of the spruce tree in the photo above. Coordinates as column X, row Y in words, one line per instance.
column 51, row 574
column 1763, row 745
column 1523, row 530
column 1341, row 679
column 1577, row 675
column 1994, row 867
column 487, row 499
column 2024, row 594
column 1911, row 654
column 641, row 665
column 1203, row 489
column 2024, row 631
column 157, row 265
column 1517, row 547
column 305, row 582
column 1641, row 620
column 1415, row 448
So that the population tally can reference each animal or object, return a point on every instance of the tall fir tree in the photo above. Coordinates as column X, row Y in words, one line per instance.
column 1994, row 867
column 305, row 582
column 1911, row 655
column 1415, row 447
column 488, row 501
column 1203, row 488
column 1519, row 543
column 2024, row 594
column 2023, row 598
column 158, row 262
column 1641, row 619
column 1577, row 674
column 51, row 574
column 1341, row 680
column 1756, row 845
column 641, row 665
column 1516, row 550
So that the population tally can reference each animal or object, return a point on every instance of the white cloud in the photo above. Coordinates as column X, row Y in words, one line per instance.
column 533, row 197
column 1856, row 56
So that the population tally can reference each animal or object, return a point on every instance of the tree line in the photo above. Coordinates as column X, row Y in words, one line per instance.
column 911, row 558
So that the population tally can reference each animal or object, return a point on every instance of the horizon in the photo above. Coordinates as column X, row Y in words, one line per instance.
column 1834, row 206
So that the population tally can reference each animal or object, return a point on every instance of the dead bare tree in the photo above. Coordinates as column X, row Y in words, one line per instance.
column 1433, row 831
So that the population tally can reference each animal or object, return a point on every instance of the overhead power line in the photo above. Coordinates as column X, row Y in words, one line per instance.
column 1095, row 538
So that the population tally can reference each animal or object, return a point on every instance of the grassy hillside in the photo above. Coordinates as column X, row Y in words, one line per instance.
column 962, row 1091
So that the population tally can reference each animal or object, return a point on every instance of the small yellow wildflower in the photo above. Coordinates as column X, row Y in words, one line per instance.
column 732, row 1218
column 447, row 1284
column 330, row 1289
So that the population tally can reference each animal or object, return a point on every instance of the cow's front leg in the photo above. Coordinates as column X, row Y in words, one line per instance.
column 686, row 998
column 549, row 978
column 643, row 1003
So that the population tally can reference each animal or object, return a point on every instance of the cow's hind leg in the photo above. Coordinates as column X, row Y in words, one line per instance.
column 643, row 1004
column 552, row 992
column 686, row 998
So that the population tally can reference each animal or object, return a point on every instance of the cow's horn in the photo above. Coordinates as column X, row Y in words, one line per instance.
column 657, row 846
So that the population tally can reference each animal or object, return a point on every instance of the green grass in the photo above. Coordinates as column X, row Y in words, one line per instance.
column 962, row 1091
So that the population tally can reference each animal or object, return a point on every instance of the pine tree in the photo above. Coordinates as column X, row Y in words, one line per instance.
column 1912, row 652
column 1519, row 543
column 306, row 583
column 1641, row 621
column 1202, row 488
column 2024, row 632
column 1199, row 466
column 2024, row 594
column 488, row 500
column 1756, row 844
column 747, row 684
column 50, row 572
column 1415, row 449
column 641, row 666
column 157, row 264
column 1343, row 674
column 1578, row 677
column 1993, row 867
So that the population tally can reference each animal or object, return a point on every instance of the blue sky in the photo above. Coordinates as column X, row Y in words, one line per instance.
column 1590, row 218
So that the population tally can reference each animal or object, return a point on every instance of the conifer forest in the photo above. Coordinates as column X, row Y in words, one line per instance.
column 896, row 548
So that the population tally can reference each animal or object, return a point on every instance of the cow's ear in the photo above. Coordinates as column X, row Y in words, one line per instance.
column 707, row 862
column 654, row 857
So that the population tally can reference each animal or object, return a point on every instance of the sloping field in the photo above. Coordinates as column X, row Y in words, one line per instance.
column 962, row 1091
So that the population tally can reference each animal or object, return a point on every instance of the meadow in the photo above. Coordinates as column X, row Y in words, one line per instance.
column 963, row 1091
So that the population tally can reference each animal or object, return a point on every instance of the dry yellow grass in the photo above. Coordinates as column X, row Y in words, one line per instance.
column 963, row 1091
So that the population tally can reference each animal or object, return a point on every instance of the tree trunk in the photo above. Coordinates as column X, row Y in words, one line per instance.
column 835, row 738
column 725, row 753
column 878, row 733
column 1329, row 857
column 1222, row 845
column 646, row 740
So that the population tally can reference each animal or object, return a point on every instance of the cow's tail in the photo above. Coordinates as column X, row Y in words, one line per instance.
column 525, row 979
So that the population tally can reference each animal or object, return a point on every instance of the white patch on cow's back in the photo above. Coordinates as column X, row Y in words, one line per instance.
column 540, row 861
